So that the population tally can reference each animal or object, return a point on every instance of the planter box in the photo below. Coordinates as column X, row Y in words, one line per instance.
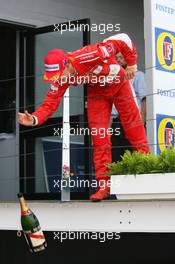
column 143, row 186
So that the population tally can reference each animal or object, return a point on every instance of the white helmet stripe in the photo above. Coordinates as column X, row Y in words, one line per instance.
column 52, row 67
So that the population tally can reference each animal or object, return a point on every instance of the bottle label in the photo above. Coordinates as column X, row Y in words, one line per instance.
column 24, row 213
column 37, row 238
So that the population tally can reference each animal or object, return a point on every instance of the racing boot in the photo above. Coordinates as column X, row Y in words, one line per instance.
column 102, row 193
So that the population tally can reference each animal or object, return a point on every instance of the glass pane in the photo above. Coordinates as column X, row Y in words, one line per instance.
column 48, row 161
column 49, row 164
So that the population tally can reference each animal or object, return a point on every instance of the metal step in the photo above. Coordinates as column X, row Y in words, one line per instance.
column 118, row 216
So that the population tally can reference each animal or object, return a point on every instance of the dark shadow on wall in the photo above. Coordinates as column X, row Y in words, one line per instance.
column 134, row 248
column 7, row 79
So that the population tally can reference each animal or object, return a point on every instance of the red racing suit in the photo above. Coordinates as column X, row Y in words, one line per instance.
column 96, row 61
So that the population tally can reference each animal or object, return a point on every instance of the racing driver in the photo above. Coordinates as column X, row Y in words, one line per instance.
column 94, row 62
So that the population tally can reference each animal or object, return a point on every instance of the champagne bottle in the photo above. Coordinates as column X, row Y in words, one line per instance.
column 31, row 227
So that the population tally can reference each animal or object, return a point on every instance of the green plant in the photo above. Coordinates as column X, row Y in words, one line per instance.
column 144, row 163
column 166, row 160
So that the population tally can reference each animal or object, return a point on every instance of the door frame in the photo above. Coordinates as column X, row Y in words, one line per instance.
column 27, row 134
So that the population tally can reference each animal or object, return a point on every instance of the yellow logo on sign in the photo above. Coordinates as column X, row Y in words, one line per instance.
column 166, row 133
column 166, row 50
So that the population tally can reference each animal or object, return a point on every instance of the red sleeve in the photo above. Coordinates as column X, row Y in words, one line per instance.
column 50, row 104
column 89, row 56
column 124, row 44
